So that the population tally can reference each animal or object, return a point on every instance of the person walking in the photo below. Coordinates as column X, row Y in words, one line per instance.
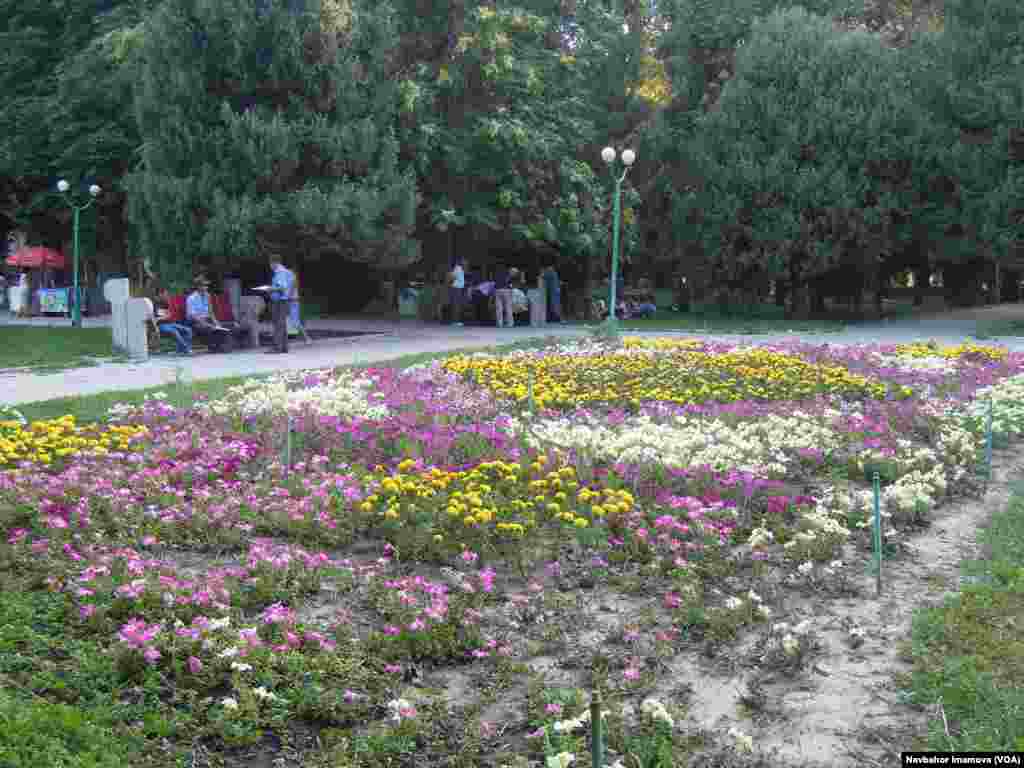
column 281, row 290
column 503, row 297
column 457, row 292
column 553, row 289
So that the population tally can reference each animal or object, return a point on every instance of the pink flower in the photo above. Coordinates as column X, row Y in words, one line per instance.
column 469, row 557
column 392, row 630
column 631, row 673
column 195, row 666
column 672, row 600
column 553, row 709
column 151, row 654
column 86, row 611
column 393, row 669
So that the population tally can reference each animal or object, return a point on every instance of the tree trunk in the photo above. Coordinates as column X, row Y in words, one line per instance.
column 996, row 284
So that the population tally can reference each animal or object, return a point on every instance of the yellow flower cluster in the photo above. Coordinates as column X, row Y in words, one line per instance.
column 43, row 441
column 925, row 349
column 677, row 374
column 502, row 498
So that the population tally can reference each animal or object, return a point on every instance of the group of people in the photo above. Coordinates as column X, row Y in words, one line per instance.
column 219, row 336
column 508, row 290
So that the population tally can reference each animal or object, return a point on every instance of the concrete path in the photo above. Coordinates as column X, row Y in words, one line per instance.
column 396, row 338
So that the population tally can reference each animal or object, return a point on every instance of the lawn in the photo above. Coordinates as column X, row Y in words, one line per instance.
column 968, row 654
column 23, row 346
column 442, row 561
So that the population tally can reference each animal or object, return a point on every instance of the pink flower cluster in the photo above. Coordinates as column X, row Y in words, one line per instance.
column 139, row 635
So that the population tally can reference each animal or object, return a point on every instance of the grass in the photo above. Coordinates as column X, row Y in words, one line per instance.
column 708, row 318
column 993, row 328
column 62, row 701
column 42, row 348
column 182, row 393
column 968, row 654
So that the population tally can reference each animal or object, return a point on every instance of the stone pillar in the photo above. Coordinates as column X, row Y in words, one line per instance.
column 233, row 290
column 117, row 292
column 137, row 313
column 249, row 318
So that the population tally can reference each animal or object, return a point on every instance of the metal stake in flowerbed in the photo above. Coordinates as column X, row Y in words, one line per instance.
column 877, row 536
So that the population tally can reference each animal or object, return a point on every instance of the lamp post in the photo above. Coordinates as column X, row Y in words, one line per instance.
column 94, row 190
column 628, row 158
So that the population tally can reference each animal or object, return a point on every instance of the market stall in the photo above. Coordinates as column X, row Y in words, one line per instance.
column 48, row 299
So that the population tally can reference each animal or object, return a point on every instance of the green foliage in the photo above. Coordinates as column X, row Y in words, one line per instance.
column 811, row 188
column 966, row 652
column 264, row 140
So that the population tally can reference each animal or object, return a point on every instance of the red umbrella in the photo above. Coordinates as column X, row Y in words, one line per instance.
column 37, row 256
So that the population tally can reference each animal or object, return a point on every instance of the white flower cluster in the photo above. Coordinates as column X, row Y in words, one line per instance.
column 906, row 362
column 763, row 446
column 655, row 711
column 574, row 724
column 561, row 760
column 340, row 394
column 912, row 492
column 744, row 742
column 760, row 537
column 791, row 640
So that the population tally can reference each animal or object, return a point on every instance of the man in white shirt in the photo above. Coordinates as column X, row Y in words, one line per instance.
column 457, row 292
column 203, row 322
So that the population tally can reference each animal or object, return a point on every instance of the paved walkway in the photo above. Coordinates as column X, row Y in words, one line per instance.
column 396, row 338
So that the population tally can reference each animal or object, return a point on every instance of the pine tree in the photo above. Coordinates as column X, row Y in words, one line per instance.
column 269, row 126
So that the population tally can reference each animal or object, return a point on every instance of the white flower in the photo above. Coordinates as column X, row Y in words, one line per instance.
column 655, row 710
column 733, row 603
column 561, row 760
column 754, row 596
column 220, row 623
column 790, row 645
column 806, row 568
column 229, row 703
column 239, row 667
column 228, row 653
column 744, row 742
column 803, row 627
column 264, row 694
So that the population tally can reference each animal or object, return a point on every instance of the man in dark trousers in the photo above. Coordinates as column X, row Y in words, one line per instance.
column 280, row 293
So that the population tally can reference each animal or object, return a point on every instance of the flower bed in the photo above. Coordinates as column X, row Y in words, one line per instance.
column 437, row 522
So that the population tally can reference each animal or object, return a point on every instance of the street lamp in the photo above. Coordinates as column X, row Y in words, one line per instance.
column 628, row 158
column 94, row 190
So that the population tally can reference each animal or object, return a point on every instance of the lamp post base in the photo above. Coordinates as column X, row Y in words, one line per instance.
column 610, row 327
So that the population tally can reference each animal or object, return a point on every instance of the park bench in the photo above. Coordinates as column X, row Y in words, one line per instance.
column 220, row 305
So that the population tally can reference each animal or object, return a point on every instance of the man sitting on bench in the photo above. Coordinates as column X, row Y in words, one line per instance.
column 199, row 315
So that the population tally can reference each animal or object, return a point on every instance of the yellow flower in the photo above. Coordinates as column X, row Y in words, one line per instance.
column 581, row 522
column 366, row 506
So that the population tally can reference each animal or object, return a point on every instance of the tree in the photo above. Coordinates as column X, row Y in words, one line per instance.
column 802, row 156
column 269, row 126
column 969, row 79
column 66, row 72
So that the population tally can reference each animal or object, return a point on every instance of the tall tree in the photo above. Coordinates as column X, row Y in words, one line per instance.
column 818, row 191
column 269, row 126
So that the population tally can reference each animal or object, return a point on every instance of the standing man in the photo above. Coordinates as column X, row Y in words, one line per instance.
column 503, row 297
column 457, row 292
column 281, row 290
column 553, row 289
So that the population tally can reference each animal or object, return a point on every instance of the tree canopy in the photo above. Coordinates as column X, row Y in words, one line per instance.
column 771, row 140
